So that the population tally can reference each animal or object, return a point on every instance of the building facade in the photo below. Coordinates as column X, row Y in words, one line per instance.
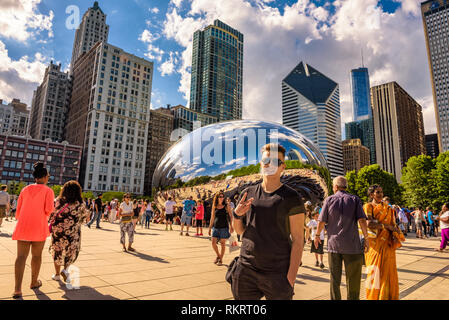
column 50, row 105
column 432, row 146
column 311, row 105
column 93, row 28
column 360, row 88
column 109, row 116
column 14, row 118
column 435, row 14
column 217, row 72
column 160, row 129
column 398, row 127
column 355, row 155
column 363, row 130
column 18, row 155
column 186, row 120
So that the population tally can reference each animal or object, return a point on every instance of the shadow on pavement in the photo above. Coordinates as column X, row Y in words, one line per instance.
column 84, row 293
column 5, row 235
column 147, row 257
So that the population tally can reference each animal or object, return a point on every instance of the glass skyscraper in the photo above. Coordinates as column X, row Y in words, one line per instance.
column 311, row 105
column 361, row 102
column 217, row 68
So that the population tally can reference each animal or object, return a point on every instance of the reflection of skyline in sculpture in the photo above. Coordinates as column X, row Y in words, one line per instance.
column 227, row 146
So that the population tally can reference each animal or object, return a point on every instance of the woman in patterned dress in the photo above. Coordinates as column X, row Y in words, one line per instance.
column 66, row 221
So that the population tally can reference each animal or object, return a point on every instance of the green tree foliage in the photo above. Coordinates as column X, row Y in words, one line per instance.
column 56, row 189
column 441, row 181
column 108, row 196
column 15, row 187
column 88, row 195
column 358, row 183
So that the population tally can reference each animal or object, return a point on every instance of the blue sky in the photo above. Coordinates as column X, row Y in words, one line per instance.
column 278, row 34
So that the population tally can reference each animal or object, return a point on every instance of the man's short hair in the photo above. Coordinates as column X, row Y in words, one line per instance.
column 3, row 187
column 340, row 182
column 274, row 146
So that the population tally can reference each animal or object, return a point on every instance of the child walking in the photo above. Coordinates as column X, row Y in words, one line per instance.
column 199, row 216
column 313, row 225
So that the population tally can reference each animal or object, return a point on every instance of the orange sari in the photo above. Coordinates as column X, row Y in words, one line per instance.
column 382, row 276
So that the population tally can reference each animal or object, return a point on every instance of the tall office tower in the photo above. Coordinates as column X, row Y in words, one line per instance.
column 435, row 15
column 109, row 115
column 185, row 118
column 311, row 105
column 360, row 88
column 14, row 118
column 93, row 28
column 217, row 68
column 159, row 133
column 355, row 155
column 398, row 127
column 432, row 148
column 50, row 104
column 363, row 130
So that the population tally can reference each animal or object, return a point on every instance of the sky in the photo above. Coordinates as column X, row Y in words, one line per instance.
column 328, row 35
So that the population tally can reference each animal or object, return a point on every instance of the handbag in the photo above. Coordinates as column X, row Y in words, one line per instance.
column 50, row 225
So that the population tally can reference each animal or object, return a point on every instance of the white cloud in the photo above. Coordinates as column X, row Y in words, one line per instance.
column 328, row 37
column 20, row 19
column 177, row 3
column 154, row 10
column 18, row 78
column 168, row 67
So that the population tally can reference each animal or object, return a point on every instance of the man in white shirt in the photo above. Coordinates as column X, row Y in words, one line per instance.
column 4, row 203
column 169, row 215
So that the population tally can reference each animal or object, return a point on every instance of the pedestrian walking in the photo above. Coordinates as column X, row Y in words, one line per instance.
column 403, row 221
column 126, row 224
column 220, row 225
column 136, row 210
column 312, row 227
column 169, row 214
column 384, row 238
column 66, row 221
column 444, row 224
column 430, row 222
column 148, row 214
column 418, row 216
column 113, row 213
column 270, row 218
column 199, row 216
column 186, row 218
column 4, row 203
column 343, row 212
column 35, row 204
column 97, row 210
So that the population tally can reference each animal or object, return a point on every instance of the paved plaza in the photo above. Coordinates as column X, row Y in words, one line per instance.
column 167, row 266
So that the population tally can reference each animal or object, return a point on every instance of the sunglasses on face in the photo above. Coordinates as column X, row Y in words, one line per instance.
column 271, row 161
column 221, row 196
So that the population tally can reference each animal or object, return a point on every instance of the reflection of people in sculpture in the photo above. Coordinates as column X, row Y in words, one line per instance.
column 267, row 215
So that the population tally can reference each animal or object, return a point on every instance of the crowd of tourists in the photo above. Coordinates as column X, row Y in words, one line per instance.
column 272, row 220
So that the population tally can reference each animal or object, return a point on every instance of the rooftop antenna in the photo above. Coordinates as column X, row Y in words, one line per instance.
column 363, row 65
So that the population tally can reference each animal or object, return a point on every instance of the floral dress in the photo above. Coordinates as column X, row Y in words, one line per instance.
column 66, row 231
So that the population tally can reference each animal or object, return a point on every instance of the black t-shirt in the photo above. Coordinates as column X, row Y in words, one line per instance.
column 221, row 218
column 98, row 204
column 266, row 242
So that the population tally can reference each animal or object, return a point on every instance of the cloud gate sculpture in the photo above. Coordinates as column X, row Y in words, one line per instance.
column 225, row 157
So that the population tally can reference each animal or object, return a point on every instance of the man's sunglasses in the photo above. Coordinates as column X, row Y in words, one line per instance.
column 271, row 161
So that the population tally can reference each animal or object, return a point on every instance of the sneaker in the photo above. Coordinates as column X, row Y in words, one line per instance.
column 197, row 235
column 201, row 234
column 187, row 234
column 88, row 225
column 56, row 277
column 180, row 233
column 66, row 276
column 322, row 265
column 317, row 264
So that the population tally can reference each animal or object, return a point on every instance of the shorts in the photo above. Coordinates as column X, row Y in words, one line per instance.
column 2, row 212
column 169, row 217
column 320, row 248
column 220, row 233
column 185, row 219
column 418, row 225
column 199, row 223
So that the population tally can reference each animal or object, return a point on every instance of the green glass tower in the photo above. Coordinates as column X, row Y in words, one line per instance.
column 217, row 68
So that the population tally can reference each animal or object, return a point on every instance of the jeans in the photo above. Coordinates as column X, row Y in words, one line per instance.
column 147, row 220
column 353, row 269
column 97, row 217
column 431, row 230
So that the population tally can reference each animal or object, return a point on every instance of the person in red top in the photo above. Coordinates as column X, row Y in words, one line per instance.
column 36, row 203
column 199, row 216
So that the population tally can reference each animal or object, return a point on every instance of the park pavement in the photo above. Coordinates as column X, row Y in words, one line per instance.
column 167, row 266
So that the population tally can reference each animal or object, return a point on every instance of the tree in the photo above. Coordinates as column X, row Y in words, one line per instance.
column 441, row 180
column 418, row 181
column 358, row 183
column 88, row 195
column 56, row 189
column 108, row 196
column 15, row 187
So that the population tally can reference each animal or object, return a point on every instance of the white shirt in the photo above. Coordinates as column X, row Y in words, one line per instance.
column 444, row 225
column 169, row 204
column 314, row 225
column 126, row 208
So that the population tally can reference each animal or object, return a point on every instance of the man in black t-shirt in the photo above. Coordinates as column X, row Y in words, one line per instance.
column 98, row 208
column 270, row 218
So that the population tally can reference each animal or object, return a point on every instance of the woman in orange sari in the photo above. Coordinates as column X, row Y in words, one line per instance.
column 384, row 238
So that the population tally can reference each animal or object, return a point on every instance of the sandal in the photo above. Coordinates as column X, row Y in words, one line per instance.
column 216, row 260
column 38, row 285
column 220, row 262
column 131, row 249
column 17, row 295
column 124, row 250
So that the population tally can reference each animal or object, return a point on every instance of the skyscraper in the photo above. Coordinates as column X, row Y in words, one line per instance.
column 432, row 148
column 398, row 127
column 435, row 14
column 50, row 104
column 363, row 130
column 361, row 102
column 217, row 69
column 93, row 28
column 14, row 118
column 109, row 115
column 355, row 155
column 311, row 105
